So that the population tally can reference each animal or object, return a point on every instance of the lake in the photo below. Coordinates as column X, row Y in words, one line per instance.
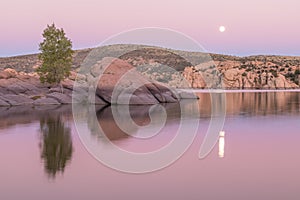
column 44, row 157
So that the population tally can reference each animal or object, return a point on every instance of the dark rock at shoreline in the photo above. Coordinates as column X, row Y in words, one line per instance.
column 16, row 100
column 3, row 103
column 46, row 101
column 60, row 97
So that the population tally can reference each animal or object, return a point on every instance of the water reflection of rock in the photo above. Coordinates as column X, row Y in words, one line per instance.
column 56, row 144
column 255, row 103
column 10, row 116
column 139, row 114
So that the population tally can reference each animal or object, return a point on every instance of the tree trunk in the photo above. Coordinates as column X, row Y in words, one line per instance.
column 61, row 88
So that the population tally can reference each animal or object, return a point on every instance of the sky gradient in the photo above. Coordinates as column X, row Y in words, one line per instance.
column 252, row 27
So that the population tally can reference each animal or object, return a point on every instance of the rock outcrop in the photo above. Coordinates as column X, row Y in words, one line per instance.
column 235, row 77
column 20, row 88
column 118, row 82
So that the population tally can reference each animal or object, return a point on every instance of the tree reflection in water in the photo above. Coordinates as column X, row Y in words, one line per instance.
column 56, row 145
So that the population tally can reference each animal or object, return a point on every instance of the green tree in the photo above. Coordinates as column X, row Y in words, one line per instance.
column 56, row 56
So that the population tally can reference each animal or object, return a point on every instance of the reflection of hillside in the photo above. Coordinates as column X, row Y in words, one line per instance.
column 255, row 103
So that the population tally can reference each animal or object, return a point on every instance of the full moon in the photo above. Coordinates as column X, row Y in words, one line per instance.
column 222, row 29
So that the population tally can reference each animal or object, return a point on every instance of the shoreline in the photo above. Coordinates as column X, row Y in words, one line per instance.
column 238, row 90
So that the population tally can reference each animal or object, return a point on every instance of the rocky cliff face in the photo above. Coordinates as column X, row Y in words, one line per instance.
column 273, row 73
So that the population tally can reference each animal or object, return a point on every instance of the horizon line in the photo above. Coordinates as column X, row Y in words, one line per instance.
column 209, row 52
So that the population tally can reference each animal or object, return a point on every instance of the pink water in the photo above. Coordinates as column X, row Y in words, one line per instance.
column 261, row 159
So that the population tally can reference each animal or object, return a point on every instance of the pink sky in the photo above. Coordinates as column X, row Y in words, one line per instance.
column 252, row 27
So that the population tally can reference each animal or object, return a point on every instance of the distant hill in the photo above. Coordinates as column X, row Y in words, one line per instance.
column 28, row 63
column 202, row 70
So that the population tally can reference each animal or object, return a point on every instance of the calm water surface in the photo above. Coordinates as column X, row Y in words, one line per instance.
column 42, row 156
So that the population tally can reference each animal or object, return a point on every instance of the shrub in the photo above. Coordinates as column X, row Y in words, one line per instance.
column 274, row 73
